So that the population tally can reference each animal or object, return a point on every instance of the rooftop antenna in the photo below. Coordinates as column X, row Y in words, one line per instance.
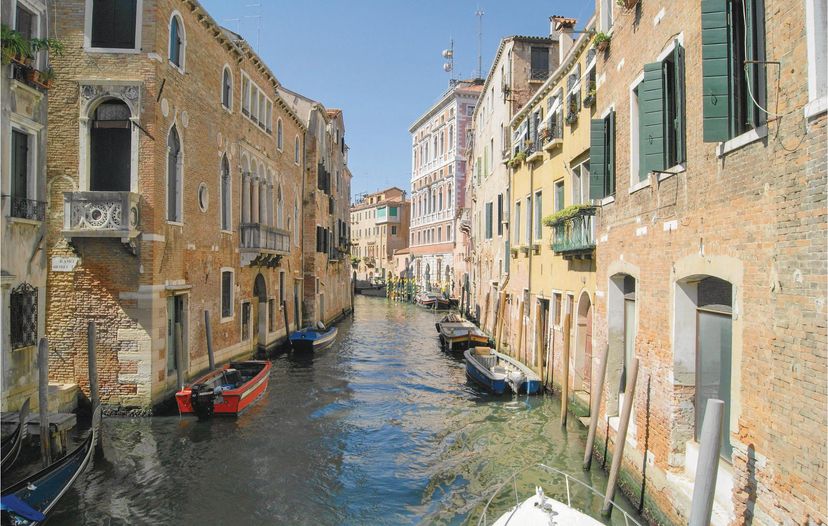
column 448, row 67
column 258, row 18
column 479, row 14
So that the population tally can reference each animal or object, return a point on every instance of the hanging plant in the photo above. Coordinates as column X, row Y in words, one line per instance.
column 565, row 214
column 602, row 41
column 14, row 46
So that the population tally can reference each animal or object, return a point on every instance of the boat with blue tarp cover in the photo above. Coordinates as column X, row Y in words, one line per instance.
column 29, row 501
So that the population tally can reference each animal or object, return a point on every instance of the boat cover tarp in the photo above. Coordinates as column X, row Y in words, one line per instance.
column 14, row 504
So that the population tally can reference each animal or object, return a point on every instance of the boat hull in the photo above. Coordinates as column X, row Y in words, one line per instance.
column 309, row 340
column 495, row 383
column 230, row 402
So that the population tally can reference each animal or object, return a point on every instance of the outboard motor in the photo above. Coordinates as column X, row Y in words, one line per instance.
column 202, row 398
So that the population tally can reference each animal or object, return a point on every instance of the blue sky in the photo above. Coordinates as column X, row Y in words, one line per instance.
column 379, row 60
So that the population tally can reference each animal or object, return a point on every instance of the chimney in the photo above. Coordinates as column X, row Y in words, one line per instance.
column 563, row 29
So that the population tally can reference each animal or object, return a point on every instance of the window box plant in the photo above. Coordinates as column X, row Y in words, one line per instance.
column 602, row 41
column 629, row 4
column 514, row 251
column 536, row 248
column 517, row 159
column 589, row 100
column 524, row 249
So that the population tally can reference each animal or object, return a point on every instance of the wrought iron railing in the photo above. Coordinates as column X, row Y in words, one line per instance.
column 575, row 233
column 261, row 238
column 97, row 214
column 27, row 209
column 555, row 130
column 539, row 74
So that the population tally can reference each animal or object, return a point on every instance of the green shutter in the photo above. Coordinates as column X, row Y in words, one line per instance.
column 716, row 87
column 610, row 154
column 678, row 64
column 597, row 158
column 651, row 120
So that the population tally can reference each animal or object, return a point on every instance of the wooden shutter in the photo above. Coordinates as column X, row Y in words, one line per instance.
column 609, row 178
column 678, row 65
column 597, row 158
column 651, row 111
column 716, row 85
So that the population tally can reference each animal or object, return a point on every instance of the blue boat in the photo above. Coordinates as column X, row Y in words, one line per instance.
column 496, row 371
column 482, row 367
column 29, row 501
column 312, row 338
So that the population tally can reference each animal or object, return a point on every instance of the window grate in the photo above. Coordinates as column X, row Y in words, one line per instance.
column 23, row 322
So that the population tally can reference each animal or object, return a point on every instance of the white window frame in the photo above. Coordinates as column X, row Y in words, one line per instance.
column 38, row 12
column 537, row 213
column 229, row 107
column 280, row 135
column 228, row 230
column 32, row 131
column 87, row 31
column 815, row 17
column 635, row 159
column 232, row 271
column 183, row 33
column 257, row 104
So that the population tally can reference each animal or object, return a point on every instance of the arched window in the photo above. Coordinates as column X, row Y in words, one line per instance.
column 110, row 147
column 296, row 149
column 279, row 134
column 227, row 89
column 174, row 162
column 177, row 42
column 440, row 197
column 296, row 221
column 280, row 207
column 226, row 194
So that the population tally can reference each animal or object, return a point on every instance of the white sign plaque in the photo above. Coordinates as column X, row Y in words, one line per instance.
column 64, row 264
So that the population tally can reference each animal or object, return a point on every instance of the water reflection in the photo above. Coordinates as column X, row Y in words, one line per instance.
column 382, row 428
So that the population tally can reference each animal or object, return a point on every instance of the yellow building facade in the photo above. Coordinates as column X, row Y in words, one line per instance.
column 552, row 285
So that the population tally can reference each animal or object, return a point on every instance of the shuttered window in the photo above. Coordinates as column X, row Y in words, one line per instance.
column 500, row 214
column 113, row 24
column 488, row 220
column 226, row 294
column 733, row 79
column 602, row 157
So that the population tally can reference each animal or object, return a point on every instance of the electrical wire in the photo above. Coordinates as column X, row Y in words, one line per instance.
column 746, row 66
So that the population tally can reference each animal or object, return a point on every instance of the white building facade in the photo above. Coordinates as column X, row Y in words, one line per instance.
column 438, row 174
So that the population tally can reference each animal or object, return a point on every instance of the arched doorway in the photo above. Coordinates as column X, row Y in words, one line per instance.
column 259, row 309
column 583, row 348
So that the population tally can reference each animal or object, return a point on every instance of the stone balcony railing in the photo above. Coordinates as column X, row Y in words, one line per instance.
column 575, row 236
column 433, row 217
column 263, row 239
column 100, row 214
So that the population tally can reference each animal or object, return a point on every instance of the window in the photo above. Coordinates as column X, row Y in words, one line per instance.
column 816, row 19
column 733, row 80
column 177, row 42
column 23, row 316
column 112, row 24
column 279, row 134
column 227, row 89
column 602, row 157
column 540, row 63
column 271, row 315
column 448, row 233
column 296, row 149
column 245, row 95
column 500, row 214
column 110, row 148
column 606, row 15
column 573, row 97
column 245, row 321
column 203, row 197
column 528, row 236
column 269, row 116
column 558, row 308
column 226, row 293
column 538, row 215
column 630, row 329
column 393, row 211
column 488, row 221
column 559, row 196
column 226, row 194
column 393, row 230
column 660, row 123
column 20, row 166
column 517, row 223
column 580, row 183
column 24, row 22
column 174, row 162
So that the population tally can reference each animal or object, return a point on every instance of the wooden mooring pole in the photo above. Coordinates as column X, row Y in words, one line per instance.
column 43, row 400
column 92, row 361
column 704, row 488
column 287, row 325
column 209, row 333
column 595, row 409
column 179, row 352
column 565, row 369
column 620, row 438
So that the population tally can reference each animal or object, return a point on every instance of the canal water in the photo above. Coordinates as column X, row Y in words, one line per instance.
column 382, row 428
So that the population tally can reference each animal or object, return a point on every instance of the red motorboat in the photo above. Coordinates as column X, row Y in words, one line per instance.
column 226, row 391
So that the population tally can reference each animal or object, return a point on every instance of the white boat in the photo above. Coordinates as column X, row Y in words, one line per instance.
column 542, row 510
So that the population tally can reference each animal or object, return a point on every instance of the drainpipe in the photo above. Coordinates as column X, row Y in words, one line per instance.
column 530, row 225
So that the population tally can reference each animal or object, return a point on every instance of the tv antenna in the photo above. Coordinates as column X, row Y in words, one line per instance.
column 258, row 17
column 448, row 54
column 479, row 14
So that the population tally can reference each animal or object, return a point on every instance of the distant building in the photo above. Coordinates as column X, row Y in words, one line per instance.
column 438, row 184
column 22, row 221
column 379, row 227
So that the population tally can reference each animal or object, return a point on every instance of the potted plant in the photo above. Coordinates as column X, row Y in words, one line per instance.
column 572, row 112
column 14, row 46
column 589, row 100
column 53, row 46
column 517, row 159
column 524, row 249
column 602, row 41
column 514, row 252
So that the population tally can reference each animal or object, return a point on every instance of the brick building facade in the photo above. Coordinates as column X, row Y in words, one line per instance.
column 708, row 160
column 175, row 176
column 379, row 227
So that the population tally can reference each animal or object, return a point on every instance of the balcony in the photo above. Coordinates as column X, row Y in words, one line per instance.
column 263, row 245
column 539, row 74
column 574, row 234
column 27, row 209
column 100, row 214
column 554, row 134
